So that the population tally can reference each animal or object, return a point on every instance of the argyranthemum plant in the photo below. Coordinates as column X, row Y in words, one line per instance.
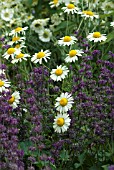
column 19, row 57
column 67, row 40
column 64, row 102
column 70, row 8
column 59, row 73
column 7, row 14
column 4, row 85
column 11, row 52
column 73, row 55
column 61, row 123
column 54, row 3
column 38, row 57
column 58, row 108
column 18, row 30
column 96, row 37
column 88, row 14
column 16, row 39
column 14, row 100
column 45, row 35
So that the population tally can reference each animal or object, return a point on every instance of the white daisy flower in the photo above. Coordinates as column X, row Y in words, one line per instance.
column 7, row 14
column 20, row 57
column 73, row 55
column 56, row 19
column 30, row 17
column 18, row 30
column 19, row 46
column 70, row 8
column 96, row 36
column 16, row 39
column 112, row 24
column 14, row 100
column 67, row 40
column 13, row 2
column 37, row 57
column 11, row 52
column 88, row 14
column 2, row 71
column 37, row 25
column 54, row 3
column 4, row 84
column 45, row 35
column 59, row 73
column 61, row 123
column 64, row 102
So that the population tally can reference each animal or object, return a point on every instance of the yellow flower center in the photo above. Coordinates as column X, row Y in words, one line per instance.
column 18, row 29
column 67, row 39
column 90, row 13
column 40, row 55
column 59, row 71
column 1, row 83
column 70, row 6
column 11, row 100
column 17, row 46
column 20, row 55
column 63, row 102
column 96, row 34
column 55, row 1
column 6, row 14
column 11, row 50
column 15, row 39
column 72, row 53
column 60, row 121
column 29, row 17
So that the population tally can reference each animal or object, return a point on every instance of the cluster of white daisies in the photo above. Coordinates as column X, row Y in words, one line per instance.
column 17, row 45
column 14, row 13
column 39, row 26
column 65, row 102
column 4, row 86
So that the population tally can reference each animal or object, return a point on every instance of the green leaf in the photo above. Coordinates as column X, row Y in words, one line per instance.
column 93, row 168
column 30, row 2
column 77, row 165
column 81, row 158
column 25, row 145
column 39, row 164
column 105, row 167
column 64, row 155
column 63, row 25
column 53, row 166
column 110, row 37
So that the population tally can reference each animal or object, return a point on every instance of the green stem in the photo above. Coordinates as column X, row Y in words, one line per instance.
column 80, row 24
